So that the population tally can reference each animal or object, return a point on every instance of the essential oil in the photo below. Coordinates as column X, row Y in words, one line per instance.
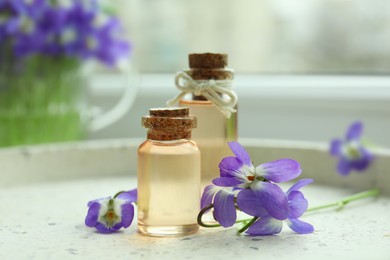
column 168, row 174
column 215, row 128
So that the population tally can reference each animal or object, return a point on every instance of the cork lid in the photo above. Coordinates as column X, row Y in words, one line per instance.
column 169, row 118
column 206, row 66
column 208, row 60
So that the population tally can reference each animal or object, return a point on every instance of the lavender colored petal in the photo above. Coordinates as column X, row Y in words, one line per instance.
column 117, row 226
column 130, row 195
column 208, row 194
column 93, row 214
column 265, row 226
column 362, row 163
column 300, row 226
column 98, row 200
column 280, row 170
column 299, row 184
column 240, row 152
column 336, row 147
column 354, row 131
column 127, row 214
column 248, row 202
column 226, row 182
column 298, row 204
column 224, row 208
column 272, row 198
column 231, row 167
column 102, row 228
column 344, row 166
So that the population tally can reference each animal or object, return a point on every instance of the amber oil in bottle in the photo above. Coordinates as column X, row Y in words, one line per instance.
column 214, row 129
column 168, row 174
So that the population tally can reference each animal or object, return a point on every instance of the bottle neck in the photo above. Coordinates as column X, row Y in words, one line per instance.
column 208, row 74
column 168, row 134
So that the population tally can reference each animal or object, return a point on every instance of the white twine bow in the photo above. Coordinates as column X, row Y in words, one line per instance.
column 210, row 89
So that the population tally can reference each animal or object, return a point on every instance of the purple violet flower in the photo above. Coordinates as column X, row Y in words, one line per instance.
column 266, row 224
column 80, row 30
column 110, row 214
column 238, row 172
column 351, row 152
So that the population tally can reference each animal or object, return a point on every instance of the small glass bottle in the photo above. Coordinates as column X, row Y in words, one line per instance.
column 168, row 174
column 215, row 128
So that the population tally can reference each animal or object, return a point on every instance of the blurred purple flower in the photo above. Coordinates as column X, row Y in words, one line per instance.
column 110, row 214
column 266, row 224
column 238, row 172
column 81, row 30
column 351, row 152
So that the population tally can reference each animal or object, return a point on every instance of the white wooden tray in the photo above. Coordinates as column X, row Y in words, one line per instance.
column 44, row 191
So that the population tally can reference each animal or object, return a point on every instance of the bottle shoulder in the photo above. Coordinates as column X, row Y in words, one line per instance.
column 171, row 147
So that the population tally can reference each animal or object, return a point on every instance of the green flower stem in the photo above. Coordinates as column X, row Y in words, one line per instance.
column 341, row 203
column 204, row 210
column 118, row 193
column 200, row 215
column 250, row 223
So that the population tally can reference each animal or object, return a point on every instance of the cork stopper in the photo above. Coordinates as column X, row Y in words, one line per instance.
column 169, row 123
column 208, row 60
column 206, row 66
column 169, row 112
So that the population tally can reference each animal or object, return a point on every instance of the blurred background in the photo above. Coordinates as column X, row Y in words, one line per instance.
column 304, row 69
column 262, row 36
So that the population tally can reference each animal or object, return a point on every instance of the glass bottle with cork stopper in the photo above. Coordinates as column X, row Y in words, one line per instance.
column 168, row 174
column 206, row 88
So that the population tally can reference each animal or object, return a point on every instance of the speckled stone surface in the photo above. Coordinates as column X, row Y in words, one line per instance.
column 44, row 191
column 45, row 221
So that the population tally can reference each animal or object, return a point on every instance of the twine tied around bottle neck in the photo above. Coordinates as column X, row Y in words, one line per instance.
column 211, row 89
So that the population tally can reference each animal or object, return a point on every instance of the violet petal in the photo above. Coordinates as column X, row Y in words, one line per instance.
column 280, row 170
column 226, row 182
column 240, row 152
column 272, row 198
column 344, row 166
column 93, row 214
column 336, row 147
column 130, row 195
column 207, row 196
column 298, row 204
column 224, row 208
column 354, row 131
column 98, row 200
column 300, row 226
column 299, row 184
column 248, row 202
column 117, row 226
column 230, row 167
column 362, row 163
column 127, row 214
column 265, row 226
column 101, row 227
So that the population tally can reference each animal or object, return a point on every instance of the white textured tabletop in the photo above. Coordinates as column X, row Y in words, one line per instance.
column 46, row 221
column 44, row 191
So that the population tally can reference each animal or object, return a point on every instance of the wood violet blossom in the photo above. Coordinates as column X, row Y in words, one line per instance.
column 254, row 190
column 351, row 152
column 111, row 214
column 266, row 224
